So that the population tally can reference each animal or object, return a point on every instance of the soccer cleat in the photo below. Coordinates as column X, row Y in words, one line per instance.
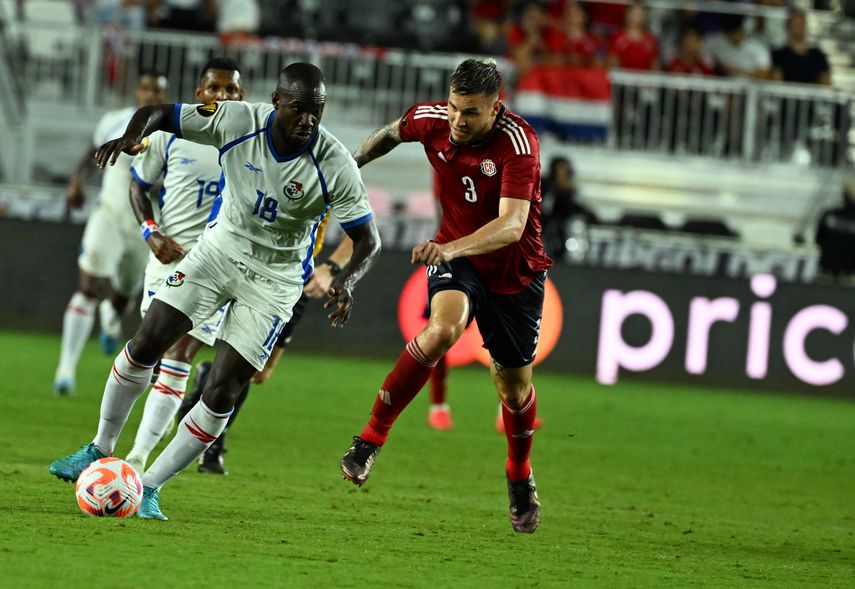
column 70, row 467
column 357, row 461
column 524, row 505
column 211, row 461
column 137, row 461
column 109, row 343
column 150, row 506
column 64, row 387
column 111, row 327
column 439, row 418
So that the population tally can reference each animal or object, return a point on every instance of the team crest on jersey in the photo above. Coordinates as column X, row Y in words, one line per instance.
column 176, row 279
column 207, row 110
column 293, row 190
column 488, row 167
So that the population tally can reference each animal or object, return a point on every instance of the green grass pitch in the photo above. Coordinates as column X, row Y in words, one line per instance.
column 642, row 486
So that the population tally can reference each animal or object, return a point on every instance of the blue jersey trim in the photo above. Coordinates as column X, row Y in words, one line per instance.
column 236, row 142
column 218, row 200
column 357, row 222
column 176, row 118
column 321, row 178
column 169, row 143
column 139, row 180
column 272, row 148
column 309, row 260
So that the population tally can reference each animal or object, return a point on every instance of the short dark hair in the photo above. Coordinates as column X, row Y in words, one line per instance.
column 476, row 76
column 220, row 63
column 731, row 23
column 303, row 73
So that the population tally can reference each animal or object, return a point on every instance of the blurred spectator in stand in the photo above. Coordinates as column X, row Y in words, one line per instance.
column 115, row 18
column 689, row 59
column 186, row 15
column 577, row 45
column 634, row 47
column 771, row 30
column 487, row 20
column 734, row 53
column 560, row 207
column 531, row 39
column 670, row 27
column 238, row 21
column 606, row 18
column 835, row 236
column 798, row 61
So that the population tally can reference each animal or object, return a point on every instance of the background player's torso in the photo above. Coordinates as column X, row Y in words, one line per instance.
column 116, row 180
column 191, row 184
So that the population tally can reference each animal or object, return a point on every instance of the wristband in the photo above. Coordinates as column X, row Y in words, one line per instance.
column 334, row 268
column 148, row 227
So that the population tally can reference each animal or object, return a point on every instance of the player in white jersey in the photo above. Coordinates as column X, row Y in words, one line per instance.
column 282, row 173
column 112, row 255
column 191, row 181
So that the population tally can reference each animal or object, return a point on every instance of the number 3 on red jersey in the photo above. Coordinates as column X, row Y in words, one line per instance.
column 470, row 195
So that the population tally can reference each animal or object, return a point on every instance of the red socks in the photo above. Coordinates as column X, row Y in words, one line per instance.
column 401, row 386
column 519, row 428
column 437, row 382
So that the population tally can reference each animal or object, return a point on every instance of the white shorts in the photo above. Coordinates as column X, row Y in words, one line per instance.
column 109, row 250
column 207, row 279
column 155, row 279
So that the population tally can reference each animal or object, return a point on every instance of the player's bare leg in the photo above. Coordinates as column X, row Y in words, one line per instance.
column 449, row 314
column 519, row 412
column 77, row 323
column 200, row 427
column 128, row 379
column 164, row 399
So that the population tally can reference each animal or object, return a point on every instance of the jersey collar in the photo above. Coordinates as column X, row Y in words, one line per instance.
column 285, row 158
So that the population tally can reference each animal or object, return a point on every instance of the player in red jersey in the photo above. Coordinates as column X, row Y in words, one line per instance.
column 487, row 262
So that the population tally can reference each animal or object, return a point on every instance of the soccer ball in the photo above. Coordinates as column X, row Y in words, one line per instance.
column 109, row 487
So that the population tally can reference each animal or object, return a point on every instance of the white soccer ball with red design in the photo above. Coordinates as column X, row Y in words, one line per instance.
column 109, row 487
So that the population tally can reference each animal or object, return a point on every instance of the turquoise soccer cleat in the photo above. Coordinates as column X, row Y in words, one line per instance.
column 150, row 506
column 109, row 342
column 70, row 467
column 64, row 387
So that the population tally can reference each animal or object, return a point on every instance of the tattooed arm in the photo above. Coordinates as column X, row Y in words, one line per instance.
column 378, row 144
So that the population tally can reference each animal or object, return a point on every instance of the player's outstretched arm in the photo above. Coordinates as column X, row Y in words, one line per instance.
column 164, row 248
column 504, row 230
column 145, row 121
column 378, row 144
column 75, row 197
column 366, row 246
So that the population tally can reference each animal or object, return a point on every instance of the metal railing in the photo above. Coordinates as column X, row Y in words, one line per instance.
column 730, row 118
column 678, row 115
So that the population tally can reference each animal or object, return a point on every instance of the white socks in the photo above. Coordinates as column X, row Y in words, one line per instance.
column 76, row 328
column 162, row 404
column 127, row 381
column 198, row 430
column 111, row 321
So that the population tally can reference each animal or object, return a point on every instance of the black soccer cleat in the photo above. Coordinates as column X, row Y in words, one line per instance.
column 357, row 461
column 525, row 508
column 211, row 462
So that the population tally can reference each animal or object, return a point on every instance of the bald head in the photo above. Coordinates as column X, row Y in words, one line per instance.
column 302, row 78
column 299, row 100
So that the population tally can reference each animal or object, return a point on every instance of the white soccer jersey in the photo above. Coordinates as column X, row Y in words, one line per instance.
column 191, row 183
column 273, row 204
column 116, row 181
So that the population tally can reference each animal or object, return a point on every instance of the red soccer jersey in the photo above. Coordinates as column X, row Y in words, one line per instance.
column 678, row 66
column 472, row 179
column 634, row 53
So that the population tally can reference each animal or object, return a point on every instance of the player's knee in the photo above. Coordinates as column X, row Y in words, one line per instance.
column 442, row 336
column 514, row 394
column 220, row 396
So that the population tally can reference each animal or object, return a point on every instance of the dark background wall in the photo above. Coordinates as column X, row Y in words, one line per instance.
column 38, row 273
